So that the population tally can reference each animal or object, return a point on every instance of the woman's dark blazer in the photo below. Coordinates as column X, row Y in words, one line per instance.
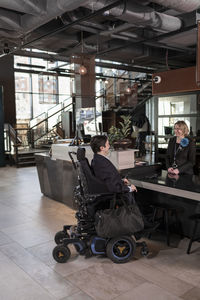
column 185, row 157
column 106, row 171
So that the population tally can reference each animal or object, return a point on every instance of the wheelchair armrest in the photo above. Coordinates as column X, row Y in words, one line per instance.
column 94, row 196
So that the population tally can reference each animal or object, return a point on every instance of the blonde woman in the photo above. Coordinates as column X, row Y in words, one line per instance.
column 181, row 152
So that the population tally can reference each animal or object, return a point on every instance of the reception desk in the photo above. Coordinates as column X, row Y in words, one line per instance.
column 121, row 159
column 57, row 176
column 156, row 187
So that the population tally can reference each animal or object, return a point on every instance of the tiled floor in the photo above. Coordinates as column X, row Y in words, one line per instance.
column 28, row 222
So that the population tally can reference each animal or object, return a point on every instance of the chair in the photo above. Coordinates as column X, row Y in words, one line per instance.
column 196, row 219
column 166, row 213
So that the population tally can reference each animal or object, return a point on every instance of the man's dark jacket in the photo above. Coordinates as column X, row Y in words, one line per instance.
column 106, row 171
column 185, row 157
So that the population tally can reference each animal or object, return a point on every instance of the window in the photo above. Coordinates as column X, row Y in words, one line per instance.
column 37, row 93
column 175, row 108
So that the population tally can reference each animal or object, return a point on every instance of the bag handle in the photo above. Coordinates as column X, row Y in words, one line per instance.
column 114, row 201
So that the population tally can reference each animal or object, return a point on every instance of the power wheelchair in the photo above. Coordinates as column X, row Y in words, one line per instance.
column 88, row 196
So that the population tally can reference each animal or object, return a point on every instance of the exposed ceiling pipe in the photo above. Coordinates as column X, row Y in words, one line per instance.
column 9, row 20
column 181, row 5
column 32, row 7
column 54, row 9
column 10, row 34
column 26, row 23
column 140, row 15
column 84, row 26
column 74, row 17
column 118, row 29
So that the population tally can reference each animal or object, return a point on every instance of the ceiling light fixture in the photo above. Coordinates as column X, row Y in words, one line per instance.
column 82, row 70
column 128, row 90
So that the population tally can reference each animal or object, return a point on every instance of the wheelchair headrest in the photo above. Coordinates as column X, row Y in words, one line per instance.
column 80, row 154
column 91, row 184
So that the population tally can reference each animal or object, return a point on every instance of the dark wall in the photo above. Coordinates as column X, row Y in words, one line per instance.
column 7, row 81
column 2, row 157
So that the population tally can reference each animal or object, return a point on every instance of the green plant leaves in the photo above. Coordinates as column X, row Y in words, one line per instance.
column 116, row 134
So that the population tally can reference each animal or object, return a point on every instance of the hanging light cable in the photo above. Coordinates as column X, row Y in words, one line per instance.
column 82, row 69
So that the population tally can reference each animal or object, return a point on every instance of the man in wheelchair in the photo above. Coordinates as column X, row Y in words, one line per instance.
column 105, row 171
column 96, row 186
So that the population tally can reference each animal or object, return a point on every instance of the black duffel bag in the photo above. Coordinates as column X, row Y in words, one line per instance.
column 123, row 220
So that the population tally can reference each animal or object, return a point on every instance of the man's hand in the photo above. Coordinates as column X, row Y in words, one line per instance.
column 134, row 189
column 170, row 170
column 173, row 176
column 173, row 171
column 126, row 182
column 176, row 171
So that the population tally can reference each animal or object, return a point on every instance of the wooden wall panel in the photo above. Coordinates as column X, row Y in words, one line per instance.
column 175, row 81
column 85, row 84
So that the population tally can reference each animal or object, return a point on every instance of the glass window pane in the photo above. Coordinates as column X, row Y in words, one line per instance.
column 38, row 62
column 64, row 86
column 35, row 83
column 39, row 108
column 23, row 106
column 22, row 82
column 47, row 84
column 184, row 104
column 21, row 60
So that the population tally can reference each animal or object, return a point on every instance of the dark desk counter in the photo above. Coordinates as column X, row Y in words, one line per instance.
column 57, row 178
column 155, row 186
column 153, row 178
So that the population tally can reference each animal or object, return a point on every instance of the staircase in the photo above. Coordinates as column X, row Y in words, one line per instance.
column 21, row 144
column 26, row 160
column 26, row 157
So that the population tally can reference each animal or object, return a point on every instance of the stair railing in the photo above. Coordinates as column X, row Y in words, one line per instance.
column 45, row 126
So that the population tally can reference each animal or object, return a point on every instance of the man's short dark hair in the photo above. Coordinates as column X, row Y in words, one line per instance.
column 98, row 141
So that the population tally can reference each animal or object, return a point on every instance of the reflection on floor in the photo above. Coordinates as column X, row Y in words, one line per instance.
column 28, row 222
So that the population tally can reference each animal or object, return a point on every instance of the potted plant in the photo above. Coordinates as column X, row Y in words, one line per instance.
column 118, row 137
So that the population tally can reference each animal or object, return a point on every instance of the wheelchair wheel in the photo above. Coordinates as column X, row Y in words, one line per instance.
column 121, row 249
column 60, row 235
column 61, row 254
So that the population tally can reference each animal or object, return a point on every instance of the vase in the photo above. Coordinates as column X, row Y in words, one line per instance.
column 122, row 144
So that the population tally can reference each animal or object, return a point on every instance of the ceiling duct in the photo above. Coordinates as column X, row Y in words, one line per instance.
column 9, row 20
column 139, row 15
column 181, row 5
column 33, row 17
column 32, row 7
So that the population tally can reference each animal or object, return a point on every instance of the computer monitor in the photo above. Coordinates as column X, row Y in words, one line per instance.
column 168, row 130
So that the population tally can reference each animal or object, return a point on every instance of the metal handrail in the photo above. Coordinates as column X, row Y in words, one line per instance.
column 51, row 108
column 50, row 116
